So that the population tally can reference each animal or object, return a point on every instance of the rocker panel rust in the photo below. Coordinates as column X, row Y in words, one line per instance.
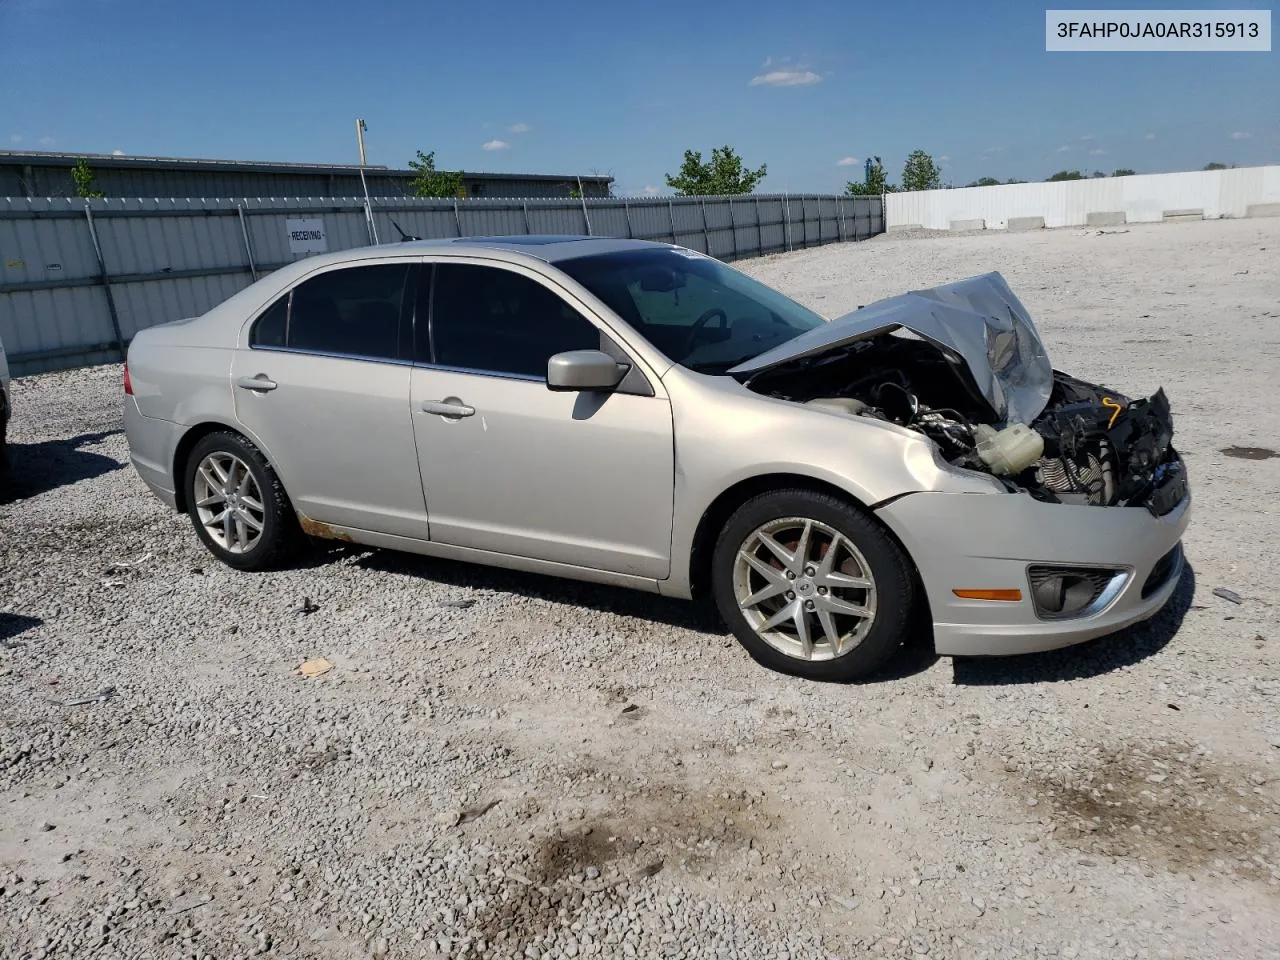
column 317, row 528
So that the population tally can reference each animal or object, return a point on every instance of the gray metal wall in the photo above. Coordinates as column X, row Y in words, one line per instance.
column 78, row 278
column 47, row 179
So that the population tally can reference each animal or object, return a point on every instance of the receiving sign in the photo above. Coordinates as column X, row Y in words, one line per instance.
column 306, row 236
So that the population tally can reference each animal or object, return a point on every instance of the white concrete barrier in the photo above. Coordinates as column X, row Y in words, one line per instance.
column 978, row 224
column 1104, row 218
column 1143, row 198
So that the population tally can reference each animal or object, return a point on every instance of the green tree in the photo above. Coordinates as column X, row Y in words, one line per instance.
column 920, row 172
column 723, row 175
column 1122, row 172
column 1015, row 181
column 874, row 185
column 83, row 178
column 984, row 182
column 1065, row 175
column 1215, row 166
column 431, row 182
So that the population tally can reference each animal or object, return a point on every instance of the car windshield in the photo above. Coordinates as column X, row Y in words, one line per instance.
column 701, row 313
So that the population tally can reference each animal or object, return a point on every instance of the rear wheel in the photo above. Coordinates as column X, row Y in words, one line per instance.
column 237, row 504
column 812, row 586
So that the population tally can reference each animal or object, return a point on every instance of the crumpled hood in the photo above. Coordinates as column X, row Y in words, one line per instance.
column 978, row 321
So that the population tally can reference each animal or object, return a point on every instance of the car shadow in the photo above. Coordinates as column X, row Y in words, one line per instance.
column 13, row 624
column 699, row 617
column 36, row 468
column 1094, row 658
column 915, row 657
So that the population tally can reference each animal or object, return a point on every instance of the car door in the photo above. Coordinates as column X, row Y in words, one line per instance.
column 321, row 381
column 512, row 467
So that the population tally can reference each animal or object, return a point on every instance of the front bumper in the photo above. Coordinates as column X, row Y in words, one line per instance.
column 973, row 541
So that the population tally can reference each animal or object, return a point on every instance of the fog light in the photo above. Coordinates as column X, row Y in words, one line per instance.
column 1062, row 592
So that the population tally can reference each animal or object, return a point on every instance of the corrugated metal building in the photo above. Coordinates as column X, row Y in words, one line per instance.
column 38, row 174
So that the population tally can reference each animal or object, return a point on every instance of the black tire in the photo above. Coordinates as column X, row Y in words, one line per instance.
column 280, row 532
column 891, row 571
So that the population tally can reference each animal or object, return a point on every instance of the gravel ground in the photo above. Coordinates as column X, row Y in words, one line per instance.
column 512, row 766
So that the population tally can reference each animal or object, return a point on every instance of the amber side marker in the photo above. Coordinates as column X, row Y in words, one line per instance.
column 1007, row 595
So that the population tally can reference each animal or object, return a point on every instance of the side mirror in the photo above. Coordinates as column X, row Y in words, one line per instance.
column 584, row 370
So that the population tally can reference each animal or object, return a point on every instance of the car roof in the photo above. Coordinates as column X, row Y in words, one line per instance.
column 549, row 248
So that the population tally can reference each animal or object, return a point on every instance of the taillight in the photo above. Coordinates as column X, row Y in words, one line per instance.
column 128, row 384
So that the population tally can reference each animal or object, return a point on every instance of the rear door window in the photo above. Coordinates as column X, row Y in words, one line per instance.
column 354, row 312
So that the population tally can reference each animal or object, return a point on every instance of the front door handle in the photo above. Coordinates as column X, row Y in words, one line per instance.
column 259, row 384
column 450, row 407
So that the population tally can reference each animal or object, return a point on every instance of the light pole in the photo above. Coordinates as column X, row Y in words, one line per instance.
column 360, row 129
column 368, row 207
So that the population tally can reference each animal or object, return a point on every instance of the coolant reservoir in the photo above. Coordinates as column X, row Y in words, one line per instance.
column 1010, row 450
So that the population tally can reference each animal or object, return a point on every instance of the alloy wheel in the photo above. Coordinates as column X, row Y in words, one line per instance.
column 228, row 502
column 804, row 588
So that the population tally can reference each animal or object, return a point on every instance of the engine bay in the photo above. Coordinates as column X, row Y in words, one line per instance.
column 1089, row 445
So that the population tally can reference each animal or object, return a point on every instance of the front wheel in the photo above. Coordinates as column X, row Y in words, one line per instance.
column 237, row 504
column 812, row 586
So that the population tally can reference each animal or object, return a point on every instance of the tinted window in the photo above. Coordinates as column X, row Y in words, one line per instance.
column 355, row 311
column 483, row 318
column 270, row 329
column 698, row 311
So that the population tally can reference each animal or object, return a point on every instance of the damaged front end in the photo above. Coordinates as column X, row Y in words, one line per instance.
column 964, row 365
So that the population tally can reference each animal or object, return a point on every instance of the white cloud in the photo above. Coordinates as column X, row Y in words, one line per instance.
column 993, row 149
column 16, row 138
column 651, row 191
column 117, row 153
column 496, row 145
column 1241, row 135
column 944, row 158
column 49, row 141
column 1098, row 152
column 1087, row 137
column 1149, row 136
column 785, row 78
column 1063, row 149
column 520, row 128
column 848, row 162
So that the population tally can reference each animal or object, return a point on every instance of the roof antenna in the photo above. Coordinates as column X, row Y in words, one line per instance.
column 404, row 237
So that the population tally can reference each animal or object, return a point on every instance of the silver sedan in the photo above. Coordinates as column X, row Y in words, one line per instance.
column 642, row 415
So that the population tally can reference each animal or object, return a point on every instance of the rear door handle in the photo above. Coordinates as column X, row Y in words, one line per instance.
column 450, row 407
column 259, row 384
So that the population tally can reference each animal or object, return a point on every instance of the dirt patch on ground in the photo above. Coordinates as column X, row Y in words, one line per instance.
column 1250, row 453
column 662, row 828
column 1166, row 804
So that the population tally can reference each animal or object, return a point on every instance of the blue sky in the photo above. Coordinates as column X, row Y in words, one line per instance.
column 621, row 88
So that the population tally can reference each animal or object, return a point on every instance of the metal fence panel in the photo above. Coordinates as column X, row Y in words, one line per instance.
column 556, row 219
column 80, row 278
column 144, row 303
column 651, row 221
